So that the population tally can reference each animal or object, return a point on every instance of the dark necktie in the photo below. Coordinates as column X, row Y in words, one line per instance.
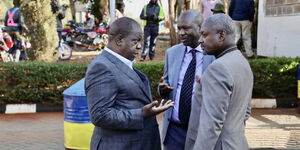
column 187, row 90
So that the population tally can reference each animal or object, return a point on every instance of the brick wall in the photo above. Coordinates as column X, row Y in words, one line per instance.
column 282, row 8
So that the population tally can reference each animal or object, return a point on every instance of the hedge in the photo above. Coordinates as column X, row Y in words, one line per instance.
column 40, row 82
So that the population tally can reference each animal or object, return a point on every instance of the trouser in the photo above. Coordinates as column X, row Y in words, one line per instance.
column 150, row 35
column 175, row 138
column 244, row 28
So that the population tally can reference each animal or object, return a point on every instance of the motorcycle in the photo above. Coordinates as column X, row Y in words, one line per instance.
column 91, row 39
column 70, row 31
column 18, row 51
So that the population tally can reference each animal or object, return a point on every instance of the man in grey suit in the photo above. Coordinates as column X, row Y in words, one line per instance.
column 119, row 97
column 183, row 62
column 222, row 98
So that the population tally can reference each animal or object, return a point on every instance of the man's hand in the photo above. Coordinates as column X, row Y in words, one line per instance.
column 198, row 80
column 155, row 107
column 164, row 89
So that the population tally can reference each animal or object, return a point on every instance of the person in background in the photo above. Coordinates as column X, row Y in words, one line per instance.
column 120, row 10
column 89, row 21
column 15, row 26
column 152, row 14
column 219, row 8
column 206, row 6
column 242, row 13
column 59, row 12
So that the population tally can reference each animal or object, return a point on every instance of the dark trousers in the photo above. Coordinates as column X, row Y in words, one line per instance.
column 150, row 35
column 59, row 33
column 175, row 138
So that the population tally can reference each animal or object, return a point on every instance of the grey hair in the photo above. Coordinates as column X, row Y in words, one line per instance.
column 220, row 22
column 195, row 14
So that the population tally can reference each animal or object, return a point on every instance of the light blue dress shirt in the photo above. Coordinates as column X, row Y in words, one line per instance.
column 186, row 61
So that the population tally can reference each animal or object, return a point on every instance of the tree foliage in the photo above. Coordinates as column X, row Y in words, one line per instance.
column 41, row 25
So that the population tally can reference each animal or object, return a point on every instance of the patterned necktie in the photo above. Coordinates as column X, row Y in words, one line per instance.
column 187, row 90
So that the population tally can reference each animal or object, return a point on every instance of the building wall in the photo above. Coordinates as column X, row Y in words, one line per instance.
column 279, row 28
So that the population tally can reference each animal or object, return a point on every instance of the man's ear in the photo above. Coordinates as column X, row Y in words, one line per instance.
column 222, row 35
column 119, row 40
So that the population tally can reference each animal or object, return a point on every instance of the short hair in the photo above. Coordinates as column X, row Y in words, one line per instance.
column 122, row 26
column 195, row 14
column 16, row 3
column 220, row 22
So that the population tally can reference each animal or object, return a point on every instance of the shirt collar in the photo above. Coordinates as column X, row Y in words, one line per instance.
column 198, row 49
column 227, row 51
column 123, row 59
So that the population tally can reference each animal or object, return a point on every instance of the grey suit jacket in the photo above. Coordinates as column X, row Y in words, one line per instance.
column 116, row 95
column 173, row 61
column 220, row 105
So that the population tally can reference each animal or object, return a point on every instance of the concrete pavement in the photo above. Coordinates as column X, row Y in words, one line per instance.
column 37, row 131
column 267, row 129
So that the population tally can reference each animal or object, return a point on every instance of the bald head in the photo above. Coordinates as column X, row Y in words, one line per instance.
column 122, row 27
column 189, row 24
column 220, row 22
column 193, row 15
column 217, row 34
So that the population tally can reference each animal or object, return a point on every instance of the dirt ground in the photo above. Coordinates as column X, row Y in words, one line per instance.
column 161, row 46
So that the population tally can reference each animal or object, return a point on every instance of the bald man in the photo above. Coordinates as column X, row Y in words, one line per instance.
column 183, row 62
column 222, row 99
column 119, row 97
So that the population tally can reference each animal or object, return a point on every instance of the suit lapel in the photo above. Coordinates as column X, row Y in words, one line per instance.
column 129, row 72
column 177, row 64
column 145, row 80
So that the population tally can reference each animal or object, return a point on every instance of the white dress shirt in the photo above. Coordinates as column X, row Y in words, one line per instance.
column 123, row 59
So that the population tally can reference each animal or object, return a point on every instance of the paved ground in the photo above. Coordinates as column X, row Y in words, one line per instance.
column 274, row 128
column 267, row 129
column 39, row 131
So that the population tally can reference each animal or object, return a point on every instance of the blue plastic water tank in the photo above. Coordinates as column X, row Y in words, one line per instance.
column 75, row 104
column 298, row 71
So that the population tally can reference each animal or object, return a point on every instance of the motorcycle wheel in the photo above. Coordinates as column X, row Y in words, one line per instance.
column 65, row 52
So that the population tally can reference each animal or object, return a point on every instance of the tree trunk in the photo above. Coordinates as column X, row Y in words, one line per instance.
column 41, row 25
column 180, row 7
column 105, row 9
column 171, row 20
column 187, row 4
column 194, row 4
column 72, row 7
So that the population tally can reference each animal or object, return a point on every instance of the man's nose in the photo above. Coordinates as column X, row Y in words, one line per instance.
column 181, row 32
column 139, row 46
column 200, row 40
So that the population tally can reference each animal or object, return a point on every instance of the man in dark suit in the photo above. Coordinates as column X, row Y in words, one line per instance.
column 183, row 62
column 119, row 97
